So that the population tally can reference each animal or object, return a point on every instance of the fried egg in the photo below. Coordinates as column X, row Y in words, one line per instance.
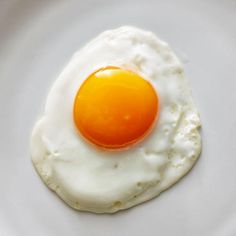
column 119, row 125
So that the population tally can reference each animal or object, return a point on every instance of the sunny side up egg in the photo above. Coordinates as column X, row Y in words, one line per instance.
column 119, row 126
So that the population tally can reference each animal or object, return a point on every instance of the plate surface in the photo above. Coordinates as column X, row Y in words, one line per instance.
column 37, row 39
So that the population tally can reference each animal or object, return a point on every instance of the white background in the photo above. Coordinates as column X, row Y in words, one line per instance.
column 37, row 39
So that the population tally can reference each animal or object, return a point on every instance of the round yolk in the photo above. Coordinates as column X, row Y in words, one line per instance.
column 115, row 108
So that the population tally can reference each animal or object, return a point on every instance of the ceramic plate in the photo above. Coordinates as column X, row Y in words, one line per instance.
column 37, row 39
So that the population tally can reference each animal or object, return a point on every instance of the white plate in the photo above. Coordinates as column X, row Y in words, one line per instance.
column 37, row 38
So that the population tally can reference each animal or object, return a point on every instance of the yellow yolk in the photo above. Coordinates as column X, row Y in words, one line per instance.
column 115, row 108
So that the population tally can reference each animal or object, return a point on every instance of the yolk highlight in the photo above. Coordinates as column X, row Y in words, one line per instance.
column 115, row 108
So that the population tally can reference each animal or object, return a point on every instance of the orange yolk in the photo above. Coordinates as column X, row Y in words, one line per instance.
column 115, row 108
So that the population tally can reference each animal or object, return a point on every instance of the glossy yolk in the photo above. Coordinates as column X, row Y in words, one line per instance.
column 115, row 108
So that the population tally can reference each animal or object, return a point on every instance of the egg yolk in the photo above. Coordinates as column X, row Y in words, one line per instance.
column 115, row 108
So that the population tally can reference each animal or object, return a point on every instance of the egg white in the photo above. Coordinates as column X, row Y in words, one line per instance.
column 91, row 179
